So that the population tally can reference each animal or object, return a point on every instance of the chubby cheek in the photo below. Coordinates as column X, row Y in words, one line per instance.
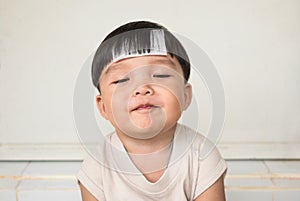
column 173, row 107
column 118, row 105
column 120, row 99
column 175, row 98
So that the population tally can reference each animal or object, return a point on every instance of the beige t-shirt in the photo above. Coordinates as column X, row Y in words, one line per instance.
column 192, row 169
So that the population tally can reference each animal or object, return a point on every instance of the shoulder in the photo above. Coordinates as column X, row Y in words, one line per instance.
column 90, row 174
column 90, row 177
column 196, row 138
column 209, row 164
column 202, row 157
column 189, row 136
column 91, row 169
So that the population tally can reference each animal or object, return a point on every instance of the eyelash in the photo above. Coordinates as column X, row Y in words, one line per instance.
column 120, row 81
column 126, row 79
column 161, row 76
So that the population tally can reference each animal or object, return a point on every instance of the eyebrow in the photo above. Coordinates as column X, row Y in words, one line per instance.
column 164, row 61
column 113, row 66
column 110, row 68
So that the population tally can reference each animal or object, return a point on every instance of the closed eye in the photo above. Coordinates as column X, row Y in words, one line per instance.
column 161, row 75
column 120, row 81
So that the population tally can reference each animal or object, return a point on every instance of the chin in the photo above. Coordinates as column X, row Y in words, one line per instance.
column 142, row 131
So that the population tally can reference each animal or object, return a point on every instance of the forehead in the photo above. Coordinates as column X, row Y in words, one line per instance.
column 131, row 63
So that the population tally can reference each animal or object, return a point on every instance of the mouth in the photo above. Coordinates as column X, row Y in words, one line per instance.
column 144, row 107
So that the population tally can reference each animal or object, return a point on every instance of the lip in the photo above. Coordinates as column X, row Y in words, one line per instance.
column 144, row 107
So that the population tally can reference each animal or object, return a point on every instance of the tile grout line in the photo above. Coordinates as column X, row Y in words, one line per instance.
column 251, row 188
column 17, row 186
column 269, row 172
column 265, row 176
column 270, row 175
column 272, row 180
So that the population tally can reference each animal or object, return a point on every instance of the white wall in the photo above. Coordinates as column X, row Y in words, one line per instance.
column 255, row 46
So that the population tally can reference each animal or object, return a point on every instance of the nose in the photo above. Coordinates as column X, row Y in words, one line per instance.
column 143, row 90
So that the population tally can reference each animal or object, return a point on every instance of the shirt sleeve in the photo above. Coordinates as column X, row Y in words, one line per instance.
column 211, row 167
column 90, row 176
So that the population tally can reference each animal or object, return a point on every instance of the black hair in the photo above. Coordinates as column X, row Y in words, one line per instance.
column 129, row 32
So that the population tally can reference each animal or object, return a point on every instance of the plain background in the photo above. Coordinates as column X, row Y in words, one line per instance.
column 255, row 46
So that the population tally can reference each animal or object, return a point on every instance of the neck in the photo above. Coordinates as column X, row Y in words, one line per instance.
column 144, row 146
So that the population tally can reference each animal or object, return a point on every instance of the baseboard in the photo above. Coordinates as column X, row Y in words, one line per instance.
column 41, row 152
column 229, row 150
column 260, row 150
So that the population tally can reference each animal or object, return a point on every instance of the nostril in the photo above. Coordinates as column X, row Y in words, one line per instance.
column 143, row 91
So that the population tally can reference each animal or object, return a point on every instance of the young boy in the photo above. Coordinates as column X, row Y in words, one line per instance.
column 141, row 71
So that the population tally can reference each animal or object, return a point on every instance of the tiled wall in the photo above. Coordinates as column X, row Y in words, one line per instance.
column 245, row 180
column 263, row 180
column 38, row 181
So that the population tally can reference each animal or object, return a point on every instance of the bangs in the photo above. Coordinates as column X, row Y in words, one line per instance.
column 138, row 42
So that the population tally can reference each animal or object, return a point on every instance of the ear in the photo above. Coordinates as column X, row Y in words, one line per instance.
column 188, row 94
column 101, row 106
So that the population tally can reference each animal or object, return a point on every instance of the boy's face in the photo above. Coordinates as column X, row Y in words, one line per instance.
column 143, row 96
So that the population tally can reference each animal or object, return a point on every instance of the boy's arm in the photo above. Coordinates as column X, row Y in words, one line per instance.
column 214, row 193
column 85, row 194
